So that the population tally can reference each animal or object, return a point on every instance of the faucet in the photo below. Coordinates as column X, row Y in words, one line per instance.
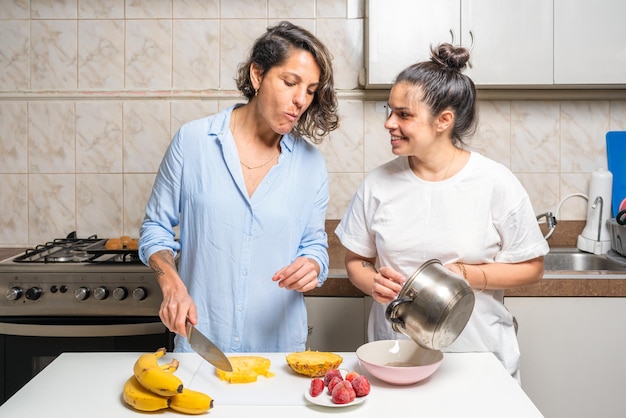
column 595, row 204
column 550, row 221
column 587, row 240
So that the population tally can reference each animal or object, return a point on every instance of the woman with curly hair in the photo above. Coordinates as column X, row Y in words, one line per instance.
column 250, row 194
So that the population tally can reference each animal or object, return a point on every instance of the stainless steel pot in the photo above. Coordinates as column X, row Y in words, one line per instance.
column 433, row 306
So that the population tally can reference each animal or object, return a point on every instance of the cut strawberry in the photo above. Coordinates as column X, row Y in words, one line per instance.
column 317, row 387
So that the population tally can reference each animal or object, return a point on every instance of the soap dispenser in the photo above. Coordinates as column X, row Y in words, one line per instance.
column 596, row 237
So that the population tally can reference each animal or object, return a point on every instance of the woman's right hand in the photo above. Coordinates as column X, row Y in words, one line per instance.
column 387, row 285
column 177, row 308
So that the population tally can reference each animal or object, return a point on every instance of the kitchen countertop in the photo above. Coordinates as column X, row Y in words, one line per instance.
column 554, row 284
column 10, row 252
column 90, row 384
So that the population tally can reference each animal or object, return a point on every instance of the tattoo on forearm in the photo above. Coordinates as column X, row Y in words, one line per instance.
column 158, row 271
column 161, row 258
column 367, row 264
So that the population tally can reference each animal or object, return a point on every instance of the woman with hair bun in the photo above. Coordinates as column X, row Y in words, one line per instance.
column 439, row 200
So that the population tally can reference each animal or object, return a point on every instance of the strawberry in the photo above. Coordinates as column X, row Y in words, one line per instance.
column 317, row 386
column 333, row 382
column 351, row 375
column 361, row 386
column 343, row 392
column 330, row 374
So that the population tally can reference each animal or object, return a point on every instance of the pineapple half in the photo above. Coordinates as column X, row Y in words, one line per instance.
column 313, row 363
column 246, row 369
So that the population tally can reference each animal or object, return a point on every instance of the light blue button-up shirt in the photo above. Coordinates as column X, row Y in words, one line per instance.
column 231, row 245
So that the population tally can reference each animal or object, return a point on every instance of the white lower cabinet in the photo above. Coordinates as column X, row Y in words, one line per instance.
column 336, row 323
column 573, row 354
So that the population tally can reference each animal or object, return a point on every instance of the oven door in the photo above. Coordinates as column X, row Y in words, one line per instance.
column 28, row 344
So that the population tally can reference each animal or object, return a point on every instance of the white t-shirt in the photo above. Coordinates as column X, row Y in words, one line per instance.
column 480, row 215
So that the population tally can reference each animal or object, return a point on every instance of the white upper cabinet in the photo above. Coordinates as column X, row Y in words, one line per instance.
column 400, row 33
column 510, row 40
column 589, row 41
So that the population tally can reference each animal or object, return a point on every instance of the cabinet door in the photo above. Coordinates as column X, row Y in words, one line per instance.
column 589, row 42
column 336, row 323
column 400, row 33
column 510, row 41
column 573, row 363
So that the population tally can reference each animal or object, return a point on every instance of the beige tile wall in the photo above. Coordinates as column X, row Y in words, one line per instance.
column 91, row 92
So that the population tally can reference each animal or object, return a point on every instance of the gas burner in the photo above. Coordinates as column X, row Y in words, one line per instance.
column 77, row 250
column 68, row 256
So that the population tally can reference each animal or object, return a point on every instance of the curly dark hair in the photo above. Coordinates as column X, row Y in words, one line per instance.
column 272, row 49
column 444, row 86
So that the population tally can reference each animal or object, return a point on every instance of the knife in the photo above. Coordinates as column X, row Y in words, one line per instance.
column 207, row 349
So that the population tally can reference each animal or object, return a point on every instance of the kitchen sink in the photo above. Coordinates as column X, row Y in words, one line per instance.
column 571, row 259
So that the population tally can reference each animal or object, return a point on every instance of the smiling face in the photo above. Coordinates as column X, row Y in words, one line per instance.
column 410, row 122
column 287, row 90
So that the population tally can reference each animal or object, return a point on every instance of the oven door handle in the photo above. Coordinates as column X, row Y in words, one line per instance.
column 109, row 330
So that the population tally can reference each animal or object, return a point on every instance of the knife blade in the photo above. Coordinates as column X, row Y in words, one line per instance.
column 207, row 349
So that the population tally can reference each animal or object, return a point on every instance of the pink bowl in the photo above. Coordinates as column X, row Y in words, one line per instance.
column 399, row 362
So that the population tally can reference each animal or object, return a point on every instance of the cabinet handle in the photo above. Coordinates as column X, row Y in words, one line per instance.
column 452, row 35
column 471, row 48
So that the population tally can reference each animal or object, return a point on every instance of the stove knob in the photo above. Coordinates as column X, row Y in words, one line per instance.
column 81, row 293
column 33, row 293
column 140, row 293
column 101, row 293
column 14, row 293
column 120, row 293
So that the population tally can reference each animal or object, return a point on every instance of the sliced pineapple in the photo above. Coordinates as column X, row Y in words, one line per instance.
column 246, row 369
column 313, row 363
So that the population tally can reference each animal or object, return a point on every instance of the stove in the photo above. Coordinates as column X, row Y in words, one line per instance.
column 77, row 277
column 74, row 295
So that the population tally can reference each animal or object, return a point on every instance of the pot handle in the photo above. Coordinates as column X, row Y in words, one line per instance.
column 392, row 308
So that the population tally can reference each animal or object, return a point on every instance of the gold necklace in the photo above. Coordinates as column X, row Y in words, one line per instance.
column 250, row 167
column 260, row 165
column 449, row 165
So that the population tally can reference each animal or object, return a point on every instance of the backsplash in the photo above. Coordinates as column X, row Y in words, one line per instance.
column 91, row 92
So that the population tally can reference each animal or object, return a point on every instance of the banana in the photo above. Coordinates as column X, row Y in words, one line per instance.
column 191, row 402
column 154, row 377
column 140, row 398
column 170, row 367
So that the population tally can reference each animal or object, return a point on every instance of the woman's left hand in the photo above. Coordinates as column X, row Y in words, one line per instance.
column 301, row 275
column 387, row 285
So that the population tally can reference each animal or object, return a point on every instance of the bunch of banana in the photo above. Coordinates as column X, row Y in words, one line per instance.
column 153, row 387
column 155, row 378
column 191, row 402
column 141, row 398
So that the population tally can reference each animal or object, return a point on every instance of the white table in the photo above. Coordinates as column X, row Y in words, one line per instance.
column 89, row 385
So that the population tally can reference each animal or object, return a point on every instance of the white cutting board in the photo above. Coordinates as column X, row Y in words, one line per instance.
column 285, row 388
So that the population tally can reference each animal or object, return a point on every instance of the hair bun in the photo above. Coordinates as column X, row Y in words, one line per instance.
column 448, row 55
